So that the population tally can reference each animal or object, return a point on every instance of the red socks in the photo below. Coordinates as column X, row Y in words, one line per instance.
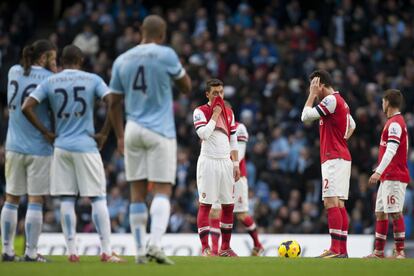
column 345, row 224
column 226, row 225
column 251, row 229
column 203, row 224
column 335, row 228
column 381, row 230
column 215, row 234
column 399, row 233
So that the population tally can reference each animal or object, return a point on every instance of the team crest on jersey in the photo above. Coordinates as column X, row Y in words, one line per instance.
column 197, row 117
column 393, row 131
column 240, row 199
column 203, row 195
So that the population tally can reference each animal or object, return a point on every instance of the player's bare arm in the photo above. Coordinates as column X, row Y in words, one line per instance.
column 184, row 84
column 236, row 168
column 102, row 135
column 28, row 110
column 308, row 113
column 351, row 128
column 115, row 115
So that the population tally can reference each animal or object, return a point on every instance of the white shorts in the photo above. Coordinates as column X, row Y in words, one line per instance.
column 390, row 197
column 215, row 181
column 241, row 197
column 335, row 178
column 76, row 173
column 27, row 174
column 149, row 155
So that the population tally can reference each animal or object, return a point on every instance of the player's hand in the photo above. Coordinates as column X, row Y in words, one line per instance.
column 120, row 145
column 217, row 109
column 100, row 139
column 315, row 86
column 50, row 137
column 373, row 180
column 236, row 173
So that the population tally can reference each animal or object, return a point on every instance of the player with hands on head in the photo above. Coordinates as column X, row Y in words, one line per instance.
column 336, row 126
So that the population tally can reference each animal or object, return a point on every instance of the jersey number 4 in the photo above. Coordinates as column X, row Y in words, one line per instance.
column 139, row 80
column 76, row 98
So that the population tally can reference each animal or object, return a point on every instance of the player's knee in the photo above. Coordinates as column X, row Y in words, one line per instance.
column 381, row 216
column 12, row 199
column 395, row 216
column 36, row 199
column 330, row 202
column 163, row 188
column 241, row 216
column 214, row 213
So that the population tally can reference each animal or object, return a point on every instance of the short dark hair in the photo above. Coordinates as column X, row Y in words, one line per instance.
column 394, row 98
column 72, row 55
column 324, row 76
column 213, row 83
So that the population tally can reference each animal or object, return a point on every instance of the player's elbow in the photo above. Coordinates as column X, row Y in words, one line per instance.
column 184, row 84
column 305, row 118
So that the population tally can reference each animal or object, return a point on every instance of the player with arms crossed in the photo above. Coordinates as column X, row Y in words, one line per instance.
column 77, row 166
column 143, row 76
column 28, row 152
column 336, row 125
column 216, row 172
column 241, row 204
column 392, row 171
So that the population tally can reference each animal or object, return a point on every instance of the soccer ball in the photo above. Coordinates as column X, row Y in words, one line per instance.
column 289, row 249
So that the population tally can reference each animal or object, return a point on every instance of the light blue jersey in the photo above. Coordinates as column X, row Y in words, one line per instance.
column 22, row 136
column 71, row 94
column 144, row 75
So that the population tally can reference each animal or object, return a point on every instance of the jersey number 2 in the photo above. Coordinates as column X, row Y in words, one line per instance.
column 77, row 98
column 139, row 80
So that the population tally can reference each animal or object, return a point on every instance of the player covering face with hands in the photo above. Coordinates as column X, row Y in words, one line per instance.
column 217, row 166
column 336, row 125
column 392, row 172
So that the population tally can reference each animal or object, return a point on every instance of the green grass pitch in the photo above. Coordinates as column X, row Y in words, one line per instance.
column 199, row 266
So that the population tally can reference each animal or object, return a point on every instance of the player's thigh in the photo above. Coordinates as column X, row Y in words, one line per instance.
column 335, row 178
column 393, row 196
column 241, row 200
column 208, row 180
column 161, row 159
column 38, row 175
column 90, row 174
column 15, row 172
column 226, row 187
column 62, row 174
column 379, row 202
column 135, row 153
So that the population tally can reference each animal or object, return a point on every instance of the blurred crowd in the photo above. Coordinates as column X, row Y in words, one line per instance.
column 263, row 53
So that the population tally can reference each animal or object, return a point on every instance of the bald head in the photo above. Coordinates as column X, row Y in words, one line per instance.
column 154, row 28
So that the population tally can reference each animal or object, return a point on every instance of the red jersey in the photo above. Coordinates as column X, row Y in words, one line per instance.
column 333, row 128
column 201, row 119
column 395, row 131
column 242, row 136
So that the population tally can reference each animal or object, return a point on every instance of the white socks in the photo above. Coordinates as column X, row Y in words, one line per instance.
column 33, row 228
column 8, row 222
column 160, row 216
column 100, row 217
column 138, row 216
column 68, row 220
